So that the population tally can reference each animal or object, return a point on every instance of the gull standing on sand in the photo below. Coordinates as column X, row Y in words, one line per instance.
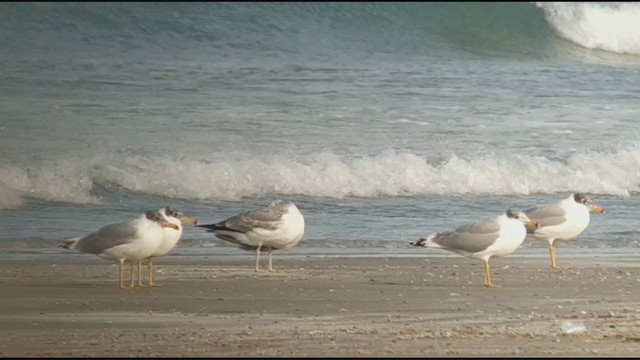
column 278, row 226
column 482, row 240
column 564, row 220
column 127, row 241
column 169, row 240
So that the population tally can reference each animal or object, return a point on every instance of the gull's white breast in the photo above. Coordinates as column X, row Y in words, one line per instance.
column 577, row 219
column 147, row 240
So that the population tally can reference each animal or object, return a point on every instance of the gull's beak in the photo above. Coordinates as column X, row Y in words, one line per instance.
column 597, row 209
column 188, row 221
column 532, row 224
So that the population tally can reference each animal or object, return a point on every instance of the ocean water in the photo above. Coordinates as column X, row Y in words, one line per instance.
column 382, row 121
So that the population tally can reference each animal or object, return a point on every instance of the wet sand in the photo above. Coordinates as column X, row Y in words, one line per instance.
column 316, row 306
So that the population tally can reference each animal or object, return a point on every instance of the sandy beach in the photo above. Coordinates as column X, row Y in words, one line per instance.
column 321, row 306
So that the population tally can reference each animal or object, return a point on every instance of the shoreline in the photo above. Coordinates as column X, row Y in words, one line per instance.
column 321, row 306
column 223, row 252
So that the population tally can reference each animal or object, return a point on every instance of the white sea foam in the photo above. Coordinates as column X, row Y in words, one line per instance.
column 326, row 174
column 67, row 181
column 611, row 26
column 9, row 199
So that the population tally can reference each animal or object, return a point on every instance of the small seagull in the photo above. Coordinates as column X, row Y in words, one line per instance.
column 278, row 226
column 169, row 240
column 564, row 220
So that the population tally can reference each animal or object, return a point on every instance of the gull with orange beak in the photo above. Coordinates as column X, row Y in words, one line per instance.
column 169, row 240
column 497, row 237
column 562, row 221
column 127, row 241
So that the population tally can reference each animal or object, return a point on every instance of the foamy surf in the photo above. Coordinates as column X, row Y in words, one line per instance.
column 612, row 26
column 63, row 181
column 326, row 174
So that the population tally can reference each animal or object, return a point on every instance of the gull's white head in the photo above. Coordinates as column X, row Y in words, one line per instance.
column 177, row 217
column 585, row 200
column 158, row 218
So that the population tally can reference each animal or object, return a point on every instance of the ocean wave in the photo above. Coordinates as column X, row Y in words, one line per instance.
column 65, row 181
column 9, row 199
column 283, row 29
column 388, row 174
column 612, row 27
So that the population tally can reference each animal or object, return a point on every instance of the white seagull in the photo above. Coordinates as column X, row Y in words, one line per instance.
column 127, row 241
column 482, row 240
column 170, row 238
column 278, row 226
column 563, row 220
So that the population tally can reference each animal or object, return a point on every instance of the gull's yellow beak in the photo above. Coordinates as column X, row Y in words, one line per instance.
column 185, row 220
column 597, row 209
column 532, row 225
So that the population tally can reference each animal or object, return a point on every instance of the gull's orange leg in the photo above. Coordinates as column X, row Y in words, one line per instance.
column 258, row 256
column 487, row 275
column 270, row 262
column 133, row 275
column 552, row 252
column 140, row 274
column 151, row 283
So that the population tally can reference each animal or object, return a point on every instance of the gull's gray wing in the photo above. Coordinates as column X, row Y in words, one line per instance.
column 107, row 237
column 546, row 215
column 471, row 238
column 266, row 218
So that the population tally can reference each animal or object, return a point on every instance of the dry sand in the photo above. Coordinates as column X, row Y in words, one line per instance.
column 317, row 306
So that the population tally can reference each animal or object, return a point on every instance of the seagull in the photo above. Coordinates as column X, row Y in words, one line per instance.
column 499, row 236
column 563, row 220
column 278, row 226
column 169, row 240
column 132, row 241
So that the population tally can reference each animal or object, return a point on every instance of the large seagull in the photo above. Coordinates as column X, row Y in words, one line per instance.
column 127, row 241
column 483, row 240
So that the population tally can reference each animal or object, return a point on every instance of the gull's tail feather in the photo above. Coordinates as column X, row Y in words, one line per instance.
column 217, row 227
column 68, row 243
column 209, row 227
column 229, row 239
column 253, row 248
column 425, row 242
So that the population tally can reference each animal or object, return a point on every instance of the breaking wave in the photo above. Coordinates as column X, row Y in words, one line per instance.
column 325, row 174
